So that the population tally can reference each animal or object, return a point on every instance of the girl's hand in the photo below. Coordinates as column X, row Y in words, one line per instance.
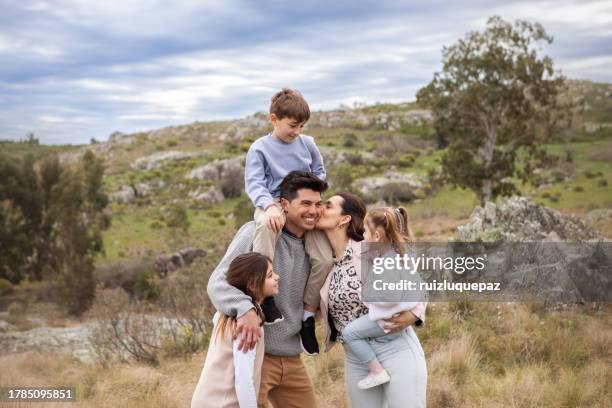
column 401, row 321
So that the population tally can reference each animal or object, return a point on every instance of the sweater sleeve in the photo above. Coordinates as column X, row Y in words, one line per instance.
column 255, row 179
column 317, row 160
column 244, row 369
column 226, row 298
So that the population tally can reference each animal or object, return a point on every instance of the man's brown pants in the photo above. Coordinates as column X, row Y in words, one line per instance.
column 285, row 383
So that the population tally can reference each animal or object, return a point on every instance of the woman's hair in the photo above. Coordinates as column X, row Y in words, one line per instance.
column 355, row 207
column 246, row 272
column 394, row 223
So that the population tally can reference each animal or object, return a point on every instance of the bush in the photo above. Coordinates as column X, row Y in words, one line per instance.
column 395, row 193
column 354, row 159
column 350, row 140
column 243, row 211
column 232, row 182
column 602, row 183
column 122, row 330
column 124, row 274
column 6, row 287
column 185, row 300
column 578, row 189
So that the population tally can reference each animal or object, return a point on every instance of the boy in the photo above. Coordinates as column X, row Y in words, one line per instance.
column 269, row 159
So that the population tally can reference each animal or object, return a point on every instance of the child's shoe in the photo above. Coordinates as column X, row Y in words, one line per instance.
column 374, row 380
column 310, row 345
column 273, row 315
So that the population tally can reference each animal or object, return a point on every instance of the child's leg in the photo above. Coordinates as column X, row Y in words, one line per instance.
column 355, row 337
column 264, row 239
column 321, row 256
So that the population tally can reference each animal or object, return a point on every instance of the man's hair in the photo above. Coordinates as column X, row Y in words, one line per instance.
column 289, row 103
column 297, row 180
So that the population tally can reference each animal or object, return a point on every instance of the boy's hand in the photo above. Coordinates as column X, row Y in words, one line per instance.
column 248, row 326
column 275, row 218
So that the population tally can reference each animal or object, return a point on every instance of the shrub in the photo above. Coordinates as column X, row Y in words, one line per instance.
column 122, row 330
column 349, row 140
column 232, row 181
column 354, row 159
column 243, row 211
column 5, row 287
column 578, row 189
column 602, row 183
column 395, row 193
column 124, row 274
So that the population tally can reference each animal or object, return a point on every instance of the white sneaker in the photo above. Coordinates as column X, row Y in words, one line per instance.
column 374, row 380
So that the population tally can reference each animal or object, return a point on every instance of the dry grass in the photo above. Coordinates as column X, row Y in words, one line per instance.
column 484, row 355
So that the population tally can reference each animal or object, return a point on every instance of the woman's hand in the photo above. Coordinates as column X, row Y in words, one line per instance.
column 401, row 321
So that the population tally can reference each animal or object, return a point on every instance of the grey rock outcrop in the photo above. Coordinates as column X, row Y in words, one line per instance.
column 218, row 169
column 158, row 159
column 519, row 219
column 211, row 195
column 373, row 187
column 165, row 264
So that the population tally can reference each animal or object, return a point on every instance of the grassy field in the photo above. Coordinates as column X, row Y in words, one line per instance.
column 478, row 355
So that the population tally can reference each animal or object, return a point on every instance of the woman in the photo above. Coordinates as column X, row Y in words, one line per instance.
column 401, row 355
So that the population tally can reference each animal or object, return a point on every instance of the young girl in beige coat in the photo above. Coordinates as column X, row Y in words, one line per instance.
column 230, row 377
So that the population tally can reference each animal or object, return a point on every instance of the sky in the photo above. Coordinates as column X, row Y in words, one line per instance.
column 73, row 70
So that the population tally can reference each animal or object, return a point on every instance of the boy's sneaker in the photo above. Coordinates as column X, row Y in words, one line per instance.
column 273, row 315
column 310, row 345
column 374, row 380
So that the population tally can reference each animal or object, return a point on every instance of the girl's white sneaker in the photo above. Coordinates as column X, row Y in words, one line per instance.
column 374, row 380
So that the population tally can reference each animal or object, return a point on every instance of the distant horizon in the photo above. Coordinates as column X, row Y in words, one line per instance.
column 74, row 71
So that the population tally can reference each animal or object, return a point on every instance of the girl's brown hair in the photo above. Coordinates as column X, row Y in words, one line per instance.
column 394, row 223
column 246, row 272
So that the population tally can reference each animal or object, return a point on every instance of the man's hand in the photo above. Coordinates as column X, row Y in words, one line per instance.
column 275, row 218
column 248, row 326
column 400, row 321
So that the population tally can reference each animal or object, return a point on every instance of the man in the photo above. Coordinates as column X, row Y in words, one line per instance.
column 284, row 380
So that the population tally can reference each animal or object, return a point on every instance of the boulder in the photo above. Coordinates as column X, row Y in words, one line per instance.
column 165, row 264
column 125, row 195
column 519, row 219
column 374, row 187
column 212, row 195
column 218, row 169
column 158, row 159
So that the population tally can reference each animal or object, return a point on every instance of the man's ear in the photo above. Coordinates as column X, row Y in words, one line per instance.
column 284, row 202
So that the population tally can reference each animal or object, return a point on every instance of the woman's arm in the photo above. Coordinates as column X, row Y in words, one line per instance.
column 244, row 370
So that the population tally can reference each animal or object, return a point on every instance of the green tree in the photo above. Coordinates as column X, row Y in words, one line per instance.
column 77, row 211
column 494, row 97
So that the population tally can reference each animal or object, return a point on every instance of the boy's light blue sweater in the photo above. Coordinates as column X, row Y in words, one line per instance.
column 269, row 160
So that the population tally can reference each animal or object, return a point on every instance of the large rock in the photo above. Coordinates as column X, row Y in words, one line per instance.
column 126, row 194
column 376, row 187
column 211, row 195
column 520, row 219
column 216, row 170
column 165, row 264
column 158, row 159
